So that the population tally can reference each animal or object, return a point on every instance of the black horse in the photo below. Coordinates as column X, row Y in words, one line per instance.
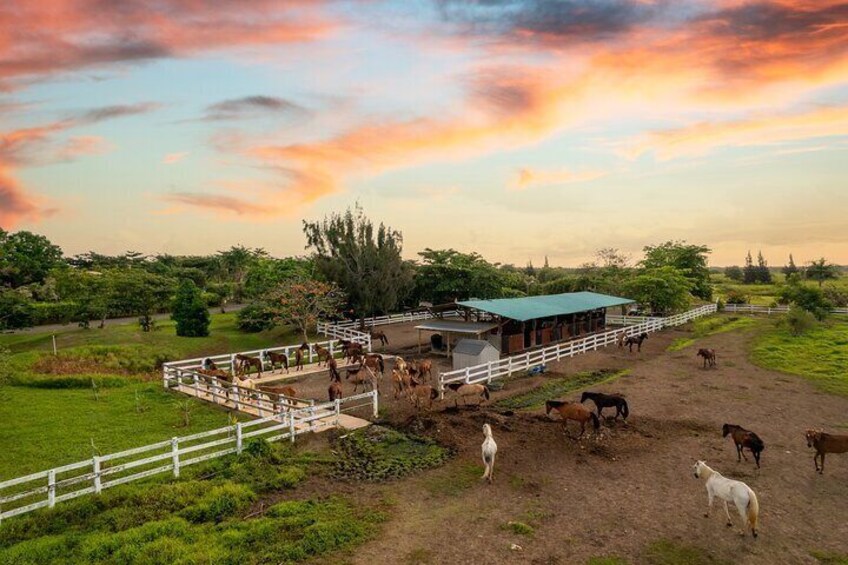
column 635, row 340
column 602, row 401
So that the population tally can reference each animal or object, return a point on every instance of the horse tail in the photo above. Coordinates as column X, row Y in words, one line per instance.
column 756, row 443
column 753, row 511
column 486, row 392
column 624, row 409
column 595, row 422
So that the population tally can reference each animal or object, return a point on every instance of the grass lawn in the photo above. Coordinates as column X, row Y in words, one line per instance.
column 711, row 325
column 49, row 411
column 821, row 354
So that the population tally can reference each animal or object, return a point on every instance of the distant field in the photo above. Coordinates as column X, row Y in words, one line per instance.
column 764, row 294
column 820, row 355
column 48, row 407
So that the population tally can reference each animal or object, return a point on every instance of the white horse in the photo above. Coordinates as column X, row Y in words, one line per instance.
column 490, row 448
column 729, row 490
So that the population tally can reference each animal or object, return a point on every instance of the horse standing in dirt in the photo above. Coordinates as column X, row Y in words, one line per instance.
column 299, row 356
column 729, row 490
column 352, row 352
column 380, row 336
column 825, row 443
column 424, row 367
column 602, row 401
column 333, row 369
column 709, row 356
column 374, row 361
column 323, row 354
column 401, row 382
column 620, row 337
column 273, row 358
column 420, row 394
column 635, row 340
column 359, row 377
column 743, row 438
column 572, row 411
column 335, row 391
column 244, row 363
column 465, row 390
column 490, row 448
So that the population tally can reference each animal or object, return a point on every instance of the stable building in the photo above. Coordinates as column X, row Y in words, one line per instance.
column 531, row 321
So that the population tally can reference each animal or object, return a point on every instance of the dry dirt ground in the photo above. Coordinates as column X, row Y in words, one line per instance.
column 614, row 493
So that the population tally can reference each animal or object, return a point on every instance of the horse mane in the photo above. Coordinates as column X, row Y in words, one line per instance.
column 556, row 403
column 455, row 386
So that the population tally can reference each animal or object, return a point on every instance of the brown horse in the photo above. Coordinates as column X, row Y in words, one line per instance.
column 352, row 351
column 217, row 373
column 825, row 443
column 299, row 355
column 743, row 438
column 374, row 361
column 572, row 411
column 244, row 363
column 333, row 369
column 602, row 401
column 380, row 335
column 635, row 340
column 275, row 359
column 359, row 377
column 322, row 353
column 465, row 390
column 334, row 391
column 401, row 382
column 425, row 367
column 709, row 356
column 422, row 394
column 209, row 364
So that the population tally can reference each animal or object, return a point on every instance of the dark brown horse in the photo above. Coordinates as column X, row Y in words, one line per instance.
column 374, row 361
column 709, row 356
column 333, row 369
column 743, row 438
column 322, row 353
column 825, row 443
column 299, row 356
column 635, row 340
column 380, row 335
column 334, row 391
column 243, row 364
column 275, row 359
column 602, row 401
column 572, row 411
column 352, row 351
column 209, row 364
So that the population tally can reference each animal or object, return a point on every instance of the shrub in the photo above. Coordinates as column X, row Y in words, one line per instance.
column 735, row 296
column 809, row 298
column 799, row 321
column 837, row 297
column 254, row 318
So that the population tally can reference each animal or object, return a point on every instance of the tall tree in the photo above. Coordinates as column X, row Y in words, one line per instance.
column 690, row 260
column 665, row 289
column 820, row 270
column 301, row 302
column 446, row 275
column 26, row 258
column 749, row 272
column 790, row 269
column 189, row 311
column 762, row 270
column 235, row 263
column 363, row 260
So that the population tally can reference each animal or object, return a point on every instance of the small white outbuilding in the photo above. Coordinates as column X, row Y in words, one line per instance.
column 470, row 352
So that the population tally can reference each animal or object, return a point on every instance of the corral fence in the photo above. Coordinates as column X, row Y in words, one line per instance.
column 46, row 488
column 399, row 318
column 227, row 362
column 753, row 309
column 505, row 367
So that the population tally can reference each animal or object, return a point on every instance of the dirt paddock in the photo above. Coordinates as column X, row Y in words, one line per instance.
column 616, row 492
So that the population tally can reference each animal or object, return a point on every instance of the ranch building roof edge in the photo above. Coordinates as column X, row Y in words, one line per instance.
column 533, row 307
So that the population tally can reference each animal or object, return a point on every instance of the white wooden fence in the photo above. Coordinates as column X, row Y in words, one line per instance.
column 46, row 488
column 226, row 361
column 486, row 372
column 752, row 309
column 385, row 320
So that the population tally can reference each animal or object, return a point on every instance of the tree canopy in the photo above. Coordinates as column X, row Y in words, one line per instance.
column 690, row 260
column 446, row 275
column 26, row 258
column 189, row 311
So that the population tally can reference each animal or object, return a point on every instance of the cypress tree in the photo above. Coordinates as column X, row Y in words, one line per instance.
column 190, row 311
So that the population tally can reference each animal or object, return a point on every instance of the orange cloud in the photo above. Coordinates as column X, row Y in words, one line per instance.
column 43, row 38
column 528, row 178
column 15, row 204
column 222, row 204
column 701, row 138
column 172, row 158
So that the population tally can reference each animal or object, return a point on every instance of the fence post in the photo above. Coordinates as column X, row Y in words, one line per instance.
column 332, row 354
column 311, row 419
column 196, row 381
column 291, row 425
column 467, row 375
column 338, row 410
column 233, row 365
column 175, row 455
column 489, row 371
column 238, row 437
column 51, row 488
column 95, row 464
column 375, row 403
column 236, row 397
column 165, row 376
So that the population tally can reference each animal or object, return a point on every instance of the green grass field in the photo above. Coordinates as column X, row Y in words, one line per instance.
column 820, row 355
column 48, row 405
column 764, row 294
column 711, row 325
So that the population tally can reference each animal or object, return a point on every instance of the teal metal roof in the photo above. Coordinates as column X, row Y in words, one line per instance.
column 532, row 307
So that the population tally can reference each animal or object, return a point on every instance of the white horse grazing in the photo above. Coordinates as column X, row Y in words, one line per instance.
column 490, row 448
column 729, row 490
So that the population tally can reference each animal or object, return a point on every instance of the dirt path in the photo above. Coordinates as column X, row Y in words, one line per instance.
column 617, row 493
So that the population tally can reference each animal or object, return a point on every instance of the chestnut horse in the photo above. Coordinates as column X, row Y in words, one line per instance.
column 743, row 438
column 422, row 394
column 275, row 359
column 709, row 356
column 825, row 443
column 244, row 363
column 465, row 390
column 572, row 411
column 298, row 356
column 322, row 353
column 380, row 336
column 334, row 391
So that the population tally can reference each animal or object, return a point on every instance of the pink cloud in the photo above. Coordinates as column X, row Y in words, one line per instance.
column 172, row 158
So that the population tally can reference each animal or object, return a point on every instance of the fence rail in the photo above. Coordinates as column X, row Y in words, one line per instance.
column 45, row 488
column 753, row 309
column 388, row 319
column 226, row 361
column 486, row 372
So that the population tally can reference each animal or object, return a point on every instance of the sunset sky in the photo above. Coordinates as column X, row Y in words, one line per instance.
column 516, row 129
